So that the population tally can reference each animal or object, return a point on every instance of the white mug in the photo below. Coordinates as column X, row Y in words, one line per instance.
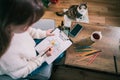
column 96, row 35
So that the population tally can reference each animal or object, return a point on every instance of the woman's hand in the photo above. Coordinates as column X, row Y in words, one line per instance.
column 49, row 51
column 49, row 32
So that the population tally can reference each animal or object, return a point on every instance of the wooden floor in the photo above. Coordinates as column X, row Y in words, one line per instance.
column 101, row 12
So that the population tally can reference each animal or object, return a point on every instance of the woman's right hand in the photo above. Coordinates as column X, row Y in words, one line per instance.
column 50, row 51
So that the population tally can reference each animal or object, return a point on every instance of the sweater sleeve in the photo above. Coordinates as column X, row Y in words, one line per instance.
column 36, row 33
column 30, row 66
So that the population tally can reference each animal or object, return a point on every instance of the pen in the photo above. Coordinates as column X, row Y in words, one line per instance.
column 93, row 58
column 82, row 47
column 84, row 57
column 49, row 49
column 90, row 52
column 90, row 55
column 81, row 50
column 93, row 53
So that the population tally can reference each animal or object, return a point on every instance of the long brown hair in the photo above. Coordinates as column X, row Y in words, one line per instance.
column 17, row 12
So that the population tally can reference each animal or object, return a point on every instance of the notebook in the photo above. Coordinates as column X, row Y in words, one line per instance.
column 60, row 42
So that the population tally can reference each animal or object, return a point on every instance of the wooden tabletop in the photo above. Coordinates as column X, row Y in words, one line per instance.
column 109, row 45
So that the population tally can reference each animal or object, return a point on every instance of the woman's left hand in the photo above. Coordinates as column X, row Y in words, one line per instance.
column 49, row 32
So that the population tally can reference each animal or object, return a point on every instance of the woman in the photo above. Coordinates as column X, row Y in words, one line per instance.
column 18, row 57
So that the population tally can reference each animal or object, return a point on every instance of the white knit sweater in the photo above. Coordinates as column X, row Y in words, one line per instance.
column 20, row 59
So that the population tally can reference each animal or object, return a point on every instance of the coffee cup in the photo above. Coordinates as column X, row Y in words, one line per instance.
column 96, row 35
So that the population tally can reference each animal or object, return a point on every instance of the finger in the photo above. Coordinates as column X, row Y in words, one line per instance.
column 49, row 53
column 51, row 48
column 50, row 32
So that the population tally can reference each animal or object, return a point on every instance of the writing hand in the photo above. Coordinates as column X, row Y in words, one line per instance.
column 49, row 51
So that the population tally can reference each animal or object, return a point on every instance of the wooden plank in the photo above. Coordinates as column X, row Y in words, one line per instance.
column 97, row 19
column 112, row 21
column 103, row 1
column 101, row 4
column 99, row 11
column 108, row 44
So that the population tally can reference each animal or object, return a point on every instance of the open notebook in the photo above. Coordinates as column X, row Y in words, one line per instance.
column 59, row 41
